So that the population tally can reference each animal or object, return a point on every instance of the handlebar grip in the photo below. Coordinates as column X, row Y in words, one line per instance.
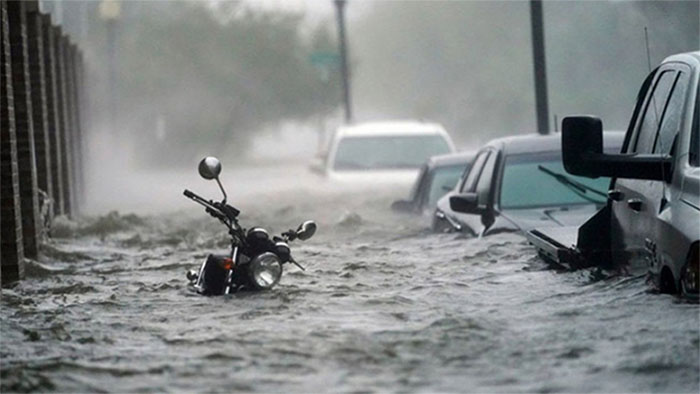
column 188, row 193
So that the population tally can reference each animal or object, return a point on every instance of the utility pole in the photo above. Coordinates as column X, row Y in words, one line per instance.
column 110, row 11
column 340, row 8
column 540, row 66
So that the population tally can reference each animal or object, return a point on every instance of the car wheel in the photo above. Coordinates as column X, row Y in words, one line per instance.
column 689, row 282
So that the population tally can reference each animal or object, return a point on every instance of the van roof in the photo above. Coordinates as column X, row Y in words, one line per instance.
column 389, row 128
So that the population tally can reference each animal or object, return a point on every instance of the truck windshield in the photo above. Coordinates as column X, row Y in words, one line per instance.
column 389, row 152
column 534, row 181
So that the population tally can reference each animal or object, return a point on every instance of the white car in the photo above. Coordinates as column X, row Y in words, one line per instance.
column 383, row 152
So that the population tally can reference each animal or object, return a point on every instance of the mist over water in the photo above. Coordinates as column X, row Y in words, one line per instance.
column 383, row 305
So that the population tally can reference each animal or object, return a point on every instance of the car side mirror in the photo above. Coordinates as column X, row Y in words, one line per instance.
column 317, row 167
column 465, row 203
column 402, row 206
column 582, row 154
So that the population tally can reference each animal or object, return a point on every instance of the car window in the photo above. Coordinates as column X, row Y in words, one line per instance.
column 483, row 186
column 470, row 182
column 444, row 179
column 694, row 156
column 389, row 152
column 525, row 185
column 671, row 123
column 651, row 118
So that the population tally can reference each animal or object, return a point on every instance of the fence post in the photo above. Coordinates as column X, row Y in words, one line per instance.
column 77, row 126
column 64, row 143
column 71, row 117
column 24, row 128
column 11, row 248
column 52, row 113
column 37, row 75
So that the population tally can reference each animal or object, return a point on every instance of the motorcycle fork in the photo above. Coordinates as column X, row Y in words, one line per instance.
column 229, row 276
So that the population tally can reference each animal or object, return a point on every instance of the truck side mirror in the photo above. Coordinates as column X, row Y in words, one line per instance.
column 582, row 154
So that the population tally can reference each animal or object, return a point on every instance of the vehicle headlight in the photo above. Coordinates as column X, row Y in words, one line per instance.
column 265, row 271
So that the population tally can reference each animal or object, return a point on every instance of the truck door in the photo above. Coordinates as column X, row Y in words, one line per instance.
column 636, row 204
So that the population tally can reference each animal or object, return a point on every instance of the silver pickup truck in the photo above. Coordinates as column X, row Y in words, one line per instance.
column 651, row 222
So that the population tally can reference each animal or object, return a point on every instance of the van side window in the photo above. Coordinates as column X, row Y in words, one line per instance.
column 474, row 172
column 651, row 119
column 673, row 113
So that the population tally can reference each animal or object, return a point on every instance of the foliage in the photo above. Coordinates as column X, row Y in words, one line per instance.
column 211, row 81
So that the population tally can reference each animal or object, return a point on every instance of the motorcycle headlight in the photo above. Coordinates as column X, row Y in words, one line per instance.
column 265, row 271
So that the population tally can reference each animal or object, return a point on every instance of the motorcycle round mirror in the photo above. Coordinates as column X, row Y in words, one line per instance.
column 306, row 230
column 210, row 167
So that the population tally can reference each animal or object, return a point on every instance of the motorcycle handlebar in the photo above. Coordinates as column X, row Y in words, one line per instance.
column 189, row 194
column 215, row 209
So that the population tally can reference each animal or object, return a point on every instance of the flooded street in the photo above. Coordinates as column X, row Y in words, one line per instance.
column 383, row 305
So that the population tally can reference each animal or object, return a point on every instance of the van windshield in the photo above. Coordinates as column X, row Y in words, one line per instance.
column 389, row 152
column 526, row 185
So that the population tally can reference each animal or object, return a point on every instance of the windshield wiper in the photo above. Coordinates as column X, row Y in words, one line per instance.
column 579, row 188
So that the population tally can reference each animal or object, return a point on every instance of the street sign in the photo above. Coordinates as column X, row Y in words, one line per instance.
column 321, row 59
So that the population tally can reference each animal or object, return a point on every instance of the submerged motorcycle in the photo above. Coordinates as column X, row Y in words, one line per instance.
column 255, row 261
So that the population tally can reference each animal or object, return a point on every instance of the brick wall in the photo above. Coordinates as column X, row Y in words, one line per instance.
column 35, row 40
column 24, row 127
column 11, row 248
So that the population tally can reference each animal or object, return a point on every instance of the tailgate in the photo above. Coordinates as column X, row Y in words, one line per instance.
column 556, row 245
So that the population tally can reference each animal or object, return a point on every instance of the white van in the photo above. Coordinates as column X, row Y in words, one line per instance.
column 383, row 152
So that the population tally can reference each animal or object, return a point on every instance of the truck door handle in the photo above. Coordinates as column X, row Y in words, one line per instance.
column 615, row 195
column 635, row 204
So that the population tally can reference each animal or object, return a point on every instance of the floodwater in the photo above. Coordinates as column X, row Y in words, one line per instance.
column 383, row 305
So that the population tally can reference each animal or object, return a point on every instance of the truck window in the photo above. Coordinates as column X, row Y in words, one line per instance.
column 651, row 118
column 673, row 113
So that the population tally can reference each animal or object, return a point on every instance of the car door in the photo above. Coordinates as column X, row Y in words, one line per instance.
column 484, row 192
column 471, row 222
column 637, row 203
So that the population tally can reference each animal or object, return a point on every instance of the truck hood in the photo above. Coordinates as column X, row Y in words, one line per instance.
column 528, row 219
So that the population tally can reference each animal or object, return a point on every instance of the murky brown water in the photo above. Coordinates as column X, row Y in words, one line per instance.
column 383, row 306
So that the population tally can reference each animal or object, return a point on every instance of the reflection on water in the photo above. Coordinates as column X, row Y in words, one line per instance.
column 383, row 305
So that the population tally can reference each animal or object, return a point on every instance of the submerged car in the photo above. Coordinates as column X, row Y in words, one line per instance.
column 383, row 152
column 437, row 176
column 651, row 221
column 518, row 183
